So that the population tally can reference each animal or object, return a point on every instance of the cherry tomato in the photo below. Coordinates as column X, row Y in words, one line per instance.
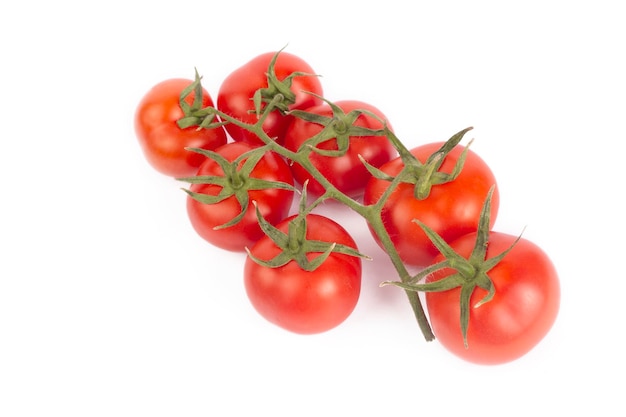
column 522, row 311
column 346, row 172
column 451, row 209
column 303, row 301
column 162, row 141
column 274, row 203
column 235, row 94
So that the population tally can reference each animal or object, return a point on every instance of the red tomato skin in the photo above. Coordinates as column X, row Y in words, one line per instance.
column 162, row 142
column 452, row 209
column 345, row 172
column 522, row 312
column 274, row 204
column 236, row 91
column 305, row 302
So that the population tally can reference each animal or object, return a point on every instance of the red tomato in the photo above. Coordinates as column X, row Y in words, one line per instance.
column 298, row 300
column 274, row 203
column 162, row 141
column 451, row 209
column 346, row 172
column 522, row 311
column 235, row 95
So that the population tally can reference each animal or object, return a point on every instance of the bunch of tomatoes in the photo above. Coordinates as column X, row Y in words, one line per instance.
column 271, row 139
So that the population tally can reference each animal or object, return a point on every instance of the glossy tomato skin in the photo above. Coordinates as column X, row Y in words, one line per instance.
column 523, row 310
column 236, row 91
column 162, row 141
column 452, row 209
column 273, row 203
column 345, row 172
column 300, row 301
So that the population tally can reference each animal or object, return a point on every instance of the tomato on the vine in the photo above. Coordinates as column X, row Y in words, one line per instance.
column 300, row 300
column 162, row 141
column 451, row 209
column 269, row 184
column 345, row 170
column 491, row 296
column 290, row 76
column 523, row 309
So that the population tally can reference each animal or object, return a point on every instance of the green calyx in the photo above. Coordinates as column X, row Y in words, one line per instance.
column 424, row 175
column 236, row 181
column 340, row 127
column 471, row 272
column 277, row 89
column 295, row 246
column 194, row 114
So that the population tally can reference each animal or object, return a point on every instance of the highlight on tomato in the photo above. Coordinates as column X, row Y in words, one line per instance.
column 219, row 200
column 305, row 274
column 342, row 134
column 491, row 297
column 246, row 91
column 443, row 184
column 162, row 140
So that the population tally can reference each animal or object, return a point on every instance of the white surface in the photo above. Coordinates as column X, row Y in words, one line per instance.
column 110, row 305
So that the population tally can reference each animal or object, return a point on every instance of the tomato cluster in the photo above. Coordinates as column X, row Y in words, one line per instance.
column 271, row 135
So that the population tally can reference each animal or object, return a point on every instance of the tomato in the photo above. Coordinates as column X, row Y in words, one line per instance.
column 302, row 301
column 451, row 209
column 236, row 91
column 162, row 141
column 521, row 312
column 274, row 203
column 346, row 172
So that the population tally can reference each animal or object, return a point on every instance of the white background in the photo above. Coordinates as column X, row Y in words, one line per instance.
column 111, row 305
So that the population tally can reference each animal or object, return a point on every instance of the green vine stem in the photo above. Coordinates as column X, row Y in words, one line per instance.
column 371, row 213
